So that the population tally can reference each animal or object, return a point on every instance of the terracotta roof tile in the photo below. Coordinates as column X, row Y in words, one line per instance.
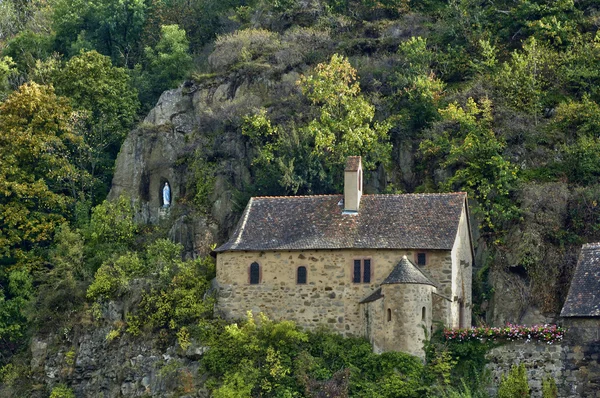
column 411, row 221
column 584, row 294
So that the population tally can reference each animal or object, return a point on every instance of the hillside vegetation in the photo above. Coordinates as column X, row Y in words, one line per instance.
column 498, row 99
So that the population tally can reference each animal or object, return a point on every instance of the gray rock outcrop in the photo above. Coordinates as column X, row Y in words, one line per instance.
column 189, row 124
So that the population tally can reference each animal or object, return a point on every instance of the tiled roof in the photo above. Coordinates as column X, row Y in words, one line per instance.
column 411, row 221
column 352, row 163
column 406, row 272
column 584, row 294
column 376, row 295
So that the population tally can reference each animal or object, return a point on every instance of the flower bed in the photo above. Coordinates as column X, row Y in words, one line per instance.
column 543, row 333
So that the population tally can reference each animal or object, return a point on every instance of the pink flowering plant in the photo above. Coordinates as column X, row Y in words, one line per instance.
column 548, row 334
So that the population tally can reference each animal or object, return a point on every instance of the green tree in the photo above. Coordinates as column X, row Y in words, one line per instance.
column 418, row 89
column 26, row 47
column 514, row 384
column 345, row 125
column 61, row 284
column 266, row 346
column 474, row 153
column 37, row 179
column 527, row 79
column 111, row 231
column 37, row 182
column 107, row 105
column 16, row 292
column 9, row 21
column 6, row 70
column 112, row 27
column 170, row 60
column 311, row 157
column 201, row 19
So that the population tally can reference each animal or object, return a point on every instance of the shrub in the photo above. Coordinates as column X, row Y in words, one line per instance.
column 303, row 45
column 62, row 391
column 582, row 160
column 113, row 276
column 243, row 46
column 111, row 230
column 514, row 385
column 277, row 359
column 549, row 389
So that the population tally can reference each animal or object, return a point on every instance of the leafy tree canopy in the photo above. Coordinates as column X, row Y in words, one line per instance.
column 107, row 106
column 37, row 178
column 310, row 157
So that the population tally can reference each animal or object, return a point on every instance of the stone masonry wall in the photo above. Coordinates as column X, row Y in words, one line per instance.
column 405, row 329
column 462, row 275
column 574, row 363
column 541, row 360
column 329, row 298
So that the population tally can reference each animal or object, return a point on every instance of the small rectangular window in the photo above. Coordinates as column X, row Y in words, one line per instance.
column 421, row 259
column 362, row 271
column 254, row 273
column 301, row 276
column 356, row 277
column 367, row 271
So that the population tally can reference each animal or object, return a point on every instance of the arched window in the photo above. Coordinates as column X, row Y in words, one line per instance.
column 423, row 313
column 389, row 315
column 254, row 273
column 301, row 275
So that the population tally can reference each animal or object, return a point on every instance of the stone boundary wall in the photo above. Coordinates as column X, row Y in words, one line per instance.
column 541, row 361
column 573, row 363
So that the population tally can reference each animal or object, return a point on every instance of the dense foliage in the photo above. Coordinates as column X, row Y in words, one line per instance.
column 260, row 357
column 514, row 384
column 500, row 99
column 309, row 158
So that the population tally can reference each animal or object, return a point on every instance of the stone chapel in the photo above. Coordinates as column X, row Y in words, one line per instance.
column 386, row 267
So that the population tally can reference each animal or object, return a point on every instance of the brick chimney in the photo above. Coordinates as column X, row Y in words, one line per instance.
column 352, row 184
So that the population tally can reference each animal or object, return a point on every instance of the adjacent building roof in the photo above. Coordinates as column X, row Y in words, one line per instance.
column 584, row 294
column 410, row 221
column 406, row 272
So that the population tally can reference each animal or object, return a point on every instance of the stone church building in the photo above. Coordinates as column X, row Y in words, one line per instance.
column 386, row 267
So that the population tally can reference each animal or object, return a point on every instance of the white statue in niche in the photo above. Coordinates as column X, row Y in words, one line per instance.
column 166, row 192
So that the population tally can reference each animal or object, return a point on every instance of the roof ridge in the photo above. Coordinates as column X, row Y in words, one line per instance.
column 592, row 245
column 238, row 238
column 296, row 196
column 372, row 194
column 417, row 194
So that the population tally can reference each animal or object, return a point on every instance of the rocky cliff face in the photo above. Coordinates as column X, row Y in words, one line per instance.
column 98, row 359
column 186, row 122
